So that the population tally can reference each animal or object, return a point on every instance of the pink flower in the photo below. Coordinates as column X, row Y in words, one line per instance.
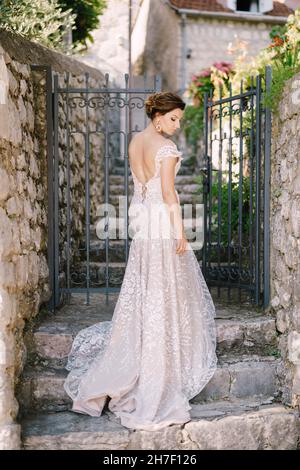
column 223, row 66
column 205, row 73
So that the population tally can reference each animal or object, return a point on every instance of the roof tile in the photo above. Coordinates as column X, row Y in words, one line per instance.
column 279, row 9
column 204, row 5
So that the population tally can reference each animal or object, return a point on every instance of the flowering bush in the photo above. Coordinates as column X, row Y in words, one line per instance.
column 286, row 41
column 213, row 77
column 199, row 84
column 245, row 66
column 283, row 54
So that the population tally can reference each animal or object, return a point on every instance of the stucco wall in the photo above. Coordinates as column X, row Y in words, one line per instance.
column 208, row 40
column 162, row 47
column 109, row 51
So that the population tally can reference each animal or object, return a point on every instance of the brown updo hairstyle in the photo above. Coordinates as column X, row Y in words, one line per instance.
column 162, row 102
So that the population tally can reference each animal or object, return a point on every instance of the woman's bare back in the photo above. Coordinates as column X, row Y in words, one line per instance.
column 142, row 151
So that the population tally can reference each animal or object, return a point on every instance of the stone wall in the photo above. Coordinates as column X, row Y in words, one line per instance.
column 285, row 236
column 75, row 147
column 24, row 273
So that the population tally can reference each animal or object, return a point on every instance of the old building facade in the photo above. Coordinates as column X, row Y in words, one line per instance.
column 180, row 37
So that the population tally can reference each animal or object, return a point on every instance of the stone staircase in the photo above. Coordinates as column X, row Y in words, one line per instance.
column 239, row 409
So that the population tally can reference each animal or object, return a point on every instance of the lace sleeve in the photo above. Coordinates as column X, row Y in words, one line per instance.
column 168, row 151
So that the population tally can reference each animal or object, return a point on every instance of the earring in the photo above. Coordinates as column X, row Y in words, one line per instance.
column 158, row 127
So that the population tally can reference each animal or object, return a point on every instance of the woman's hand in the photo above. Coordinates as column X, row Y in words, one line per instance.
column 181, row 245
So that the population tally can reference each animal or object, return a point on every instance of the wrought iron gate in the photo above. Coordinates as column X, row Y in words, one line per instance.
column 236, row 184
column 92, row 125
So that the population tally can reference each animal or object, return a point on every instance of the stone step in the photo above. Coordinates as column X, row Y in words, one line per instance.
column 184, row 170
column 118, row 200
column 116, row 252
column 239, row 331
column 42, row 388
column 118, row 224
column 118, row 162
column 228, row 425
column 97, row 250
column 116, row 269
column 179, row 181
column 97, row 270
column 118, row 189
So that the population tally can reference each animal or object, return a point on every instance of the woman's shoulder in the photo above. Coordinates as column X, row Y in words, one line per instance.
column 168, row 142
column 159, row 145
column 169, row 149
column 167, row 146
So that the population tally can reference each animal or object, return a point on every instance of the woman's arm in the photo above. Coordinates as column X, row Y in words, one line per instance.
column 167, row 172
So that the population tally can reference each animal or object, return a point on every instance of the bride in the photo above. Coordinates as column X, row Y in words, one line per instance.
column 158, row 351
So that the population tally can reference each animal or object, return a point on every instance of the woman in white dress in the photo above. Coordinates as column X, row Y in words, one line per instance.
column 159, row 349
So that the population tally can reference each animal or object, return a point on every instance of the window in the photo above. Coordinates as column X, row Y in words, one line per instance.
column 251, row 6
column 247, row 5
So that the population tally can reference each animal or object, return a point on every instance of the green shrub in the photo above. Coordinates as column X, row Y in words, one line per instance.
column 87, row 14
column 224, row 200
column 48, row 21
column 192, row 123
column 41, row 21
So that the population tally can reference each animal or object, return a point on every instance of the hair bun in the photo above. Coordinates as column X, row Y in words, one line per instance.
column 162, row 102
column 149, row 103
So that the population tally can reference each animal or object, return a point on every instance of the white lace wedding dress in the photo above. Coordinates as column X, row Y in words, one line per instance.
column 158, row 351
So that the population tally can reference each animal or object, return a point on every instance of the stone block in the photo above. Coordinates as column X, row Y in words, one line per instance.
column 4, row 185
column 294, row 347
column 265, row 427
column 10, row 437
column 273, row 428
